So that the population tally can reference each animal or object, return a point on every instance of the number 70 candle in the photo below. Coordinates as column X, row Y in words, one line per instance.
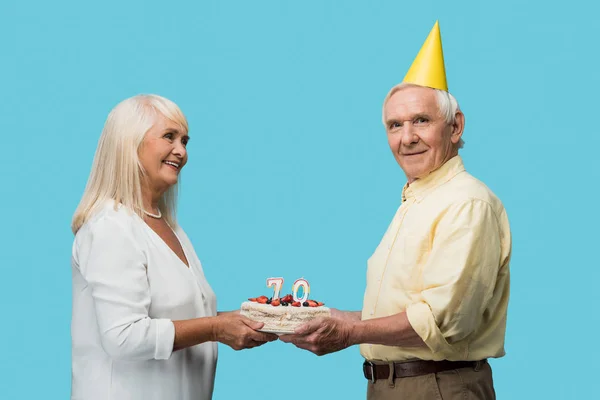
column 277, row 283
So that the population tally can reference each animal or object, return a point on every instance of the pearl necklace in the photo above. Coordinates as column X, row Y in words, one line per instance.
column 157, row 216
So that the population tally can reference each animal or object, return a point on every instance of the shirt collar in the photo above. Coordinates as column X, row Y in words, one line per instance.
column 420, row 187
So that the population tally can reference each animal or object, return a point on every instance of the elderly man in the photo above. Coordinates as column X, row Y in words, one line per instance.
column 438, row 283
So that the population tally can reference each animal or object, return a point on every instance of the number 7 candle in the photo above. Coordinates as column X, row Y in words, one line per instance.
column 277, row 283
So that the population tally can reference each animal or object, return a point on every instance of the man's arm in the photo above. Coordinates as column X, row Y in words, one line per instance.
column 459, row 278
column 394, row 330
column 345, row 328
column 458, row 283
column 346, row 315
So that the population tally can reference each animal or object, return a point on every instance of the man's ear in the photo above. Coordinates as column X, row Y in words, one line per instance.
column 458, row 127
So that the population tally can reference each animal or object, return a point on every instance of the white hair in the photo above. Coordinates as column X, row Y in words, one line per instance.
column 447, row 104
column 117, row 173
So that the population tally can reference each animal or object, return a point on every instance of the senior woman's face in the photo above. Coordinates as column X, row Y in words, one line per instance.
column 163, row 153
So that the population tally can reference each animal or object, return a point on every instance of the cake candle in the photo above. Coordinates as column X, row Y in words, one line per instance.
column 300, row 283
column 277, row 283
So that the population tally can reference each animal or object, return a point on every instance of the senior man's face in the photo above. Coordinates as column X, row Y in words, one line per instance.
column 163, row 153
column 418, row 134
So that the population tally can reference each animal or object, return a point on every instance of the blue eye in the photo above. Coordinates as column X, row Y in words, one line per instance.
column 421, row 120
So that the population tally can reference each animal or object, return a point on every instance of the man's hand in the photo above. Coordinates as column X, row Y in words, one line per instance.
column 323, row 335
column 345, row 328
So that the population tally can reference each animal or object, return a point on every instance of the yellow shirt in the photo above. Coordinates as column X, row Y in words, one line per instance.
column 445, row 261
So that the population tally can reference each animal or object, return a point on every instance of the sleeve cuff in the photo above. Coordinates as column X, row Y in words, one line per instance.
column 165, row 337
column 421, row 319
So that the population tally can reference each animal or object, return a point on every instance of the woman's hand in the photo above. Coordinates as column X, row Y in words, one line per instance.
column 239, row 332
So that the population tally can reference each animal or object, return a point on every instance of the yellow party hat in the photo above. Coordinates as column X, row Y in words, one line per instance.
column 428, row 67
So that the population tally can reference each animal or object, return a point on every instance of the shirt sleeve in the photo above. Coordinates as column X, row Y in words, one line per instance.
column 459, row 276
column 115, row 270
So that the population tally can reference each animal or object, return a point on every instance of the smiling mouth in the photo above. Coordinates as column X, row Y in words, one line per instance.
column 172, row 164
column 413, row 154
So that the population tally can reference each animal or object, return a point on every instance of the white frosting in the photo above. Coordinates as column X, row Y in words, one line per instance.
column 280, row 318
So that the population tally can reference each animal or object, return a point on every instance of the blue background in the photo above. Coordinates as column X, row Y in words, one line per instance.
column 289, row 171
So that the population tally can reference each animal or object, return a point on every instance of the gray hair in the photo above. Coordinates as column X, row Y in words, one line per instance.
column 447, row 105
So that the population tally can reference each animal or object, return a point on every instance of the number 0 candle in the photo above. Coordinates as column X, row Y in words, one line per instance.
column 301, row 283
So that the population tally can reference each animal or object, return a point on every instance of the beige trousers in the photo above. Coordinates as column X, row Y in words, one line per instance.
column 458, row 384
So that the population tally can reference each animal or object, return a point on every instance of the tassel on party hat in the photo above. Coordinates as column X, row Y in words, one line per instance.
column 428, row 67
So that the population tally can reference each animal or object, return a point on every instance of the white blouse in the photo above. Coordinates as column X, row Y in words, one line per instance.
column 128, row 287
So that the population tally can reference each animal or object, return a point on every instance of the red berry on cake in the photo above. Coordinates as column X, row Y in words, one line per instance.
column 275, row 303
column 296, row 304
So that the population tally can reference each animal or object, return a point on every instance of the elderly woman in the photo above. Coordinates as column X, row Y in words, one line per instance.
column 144, row 323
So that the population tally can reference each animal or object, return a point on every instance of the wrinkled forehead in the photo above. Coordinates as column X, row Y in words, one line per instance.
column 409, row 102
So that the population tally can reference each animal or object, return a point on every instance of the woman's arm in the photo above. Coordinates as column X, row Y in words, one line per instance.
column 229, row 328
column 114, row 268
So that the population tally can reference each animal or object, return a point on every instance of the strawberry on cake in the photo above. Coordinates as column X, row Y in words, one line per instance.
column 282, row 315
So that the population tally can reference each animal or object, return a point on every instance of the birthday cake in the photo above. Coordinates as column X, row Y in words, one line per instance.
column 282, row 315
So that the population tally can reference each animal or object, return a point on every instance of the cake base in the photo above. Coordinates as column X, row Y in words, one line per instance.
column 280, row 319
